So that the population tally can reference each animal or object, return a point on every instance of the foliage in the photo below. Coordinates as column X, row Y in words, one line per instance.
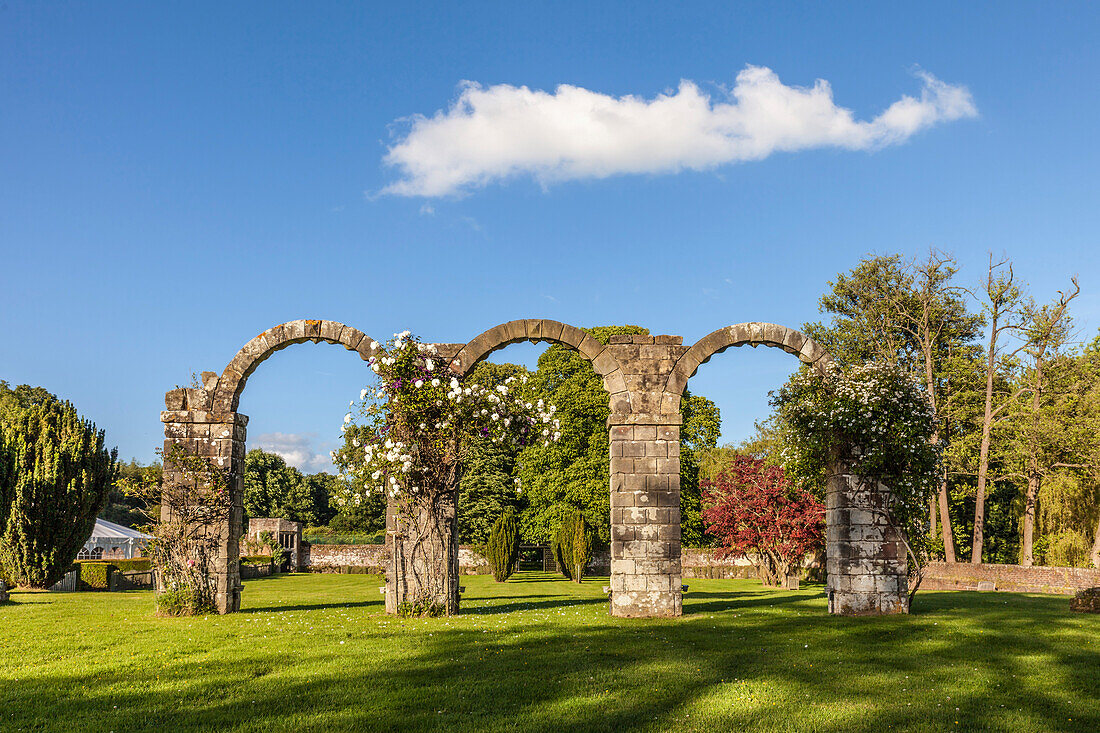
column 754, row 510
column 582, row 548
column 196, row 500
column 702, row 424
column 502, row 549
column 122, row 508
column 330, row 536
column 55, row 473
column 418, row 425
column 96, row 575
column 572, row 542
column 274, row 489
column 875, row 420
column 571, row 474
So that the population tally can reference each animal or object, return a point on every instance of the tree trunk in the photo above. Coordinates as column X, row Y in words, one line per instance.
column 929, row 375
column 983, row 454
column 1034, row 479
column 1027, row 546
column 945, row 524
column 932, row 509
column 1095, row 556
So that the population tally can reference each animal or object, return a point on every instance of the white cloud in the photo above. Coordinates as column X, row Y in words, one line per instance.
column 298, row 450
column 499, row 132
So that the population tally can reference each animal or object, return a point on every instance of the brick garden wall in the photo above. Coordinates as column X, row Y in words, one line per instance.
column 1012, row 578
column 332, row 558
column 697, row 563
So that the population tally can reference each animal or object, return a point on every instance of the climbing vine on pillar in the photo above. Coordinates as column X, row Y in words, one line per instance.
column 876, row 421
column 409, row 436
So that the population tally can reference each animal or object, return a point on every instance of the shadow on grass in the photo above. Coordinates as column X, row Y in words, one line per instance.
column 451, row 681
column 484, row 606
column 613, row 674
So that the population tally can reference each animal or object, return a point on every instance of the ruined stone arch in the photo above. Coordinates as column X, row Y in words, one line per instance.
column 232, row 381
column 540, row 329
column 753, row 334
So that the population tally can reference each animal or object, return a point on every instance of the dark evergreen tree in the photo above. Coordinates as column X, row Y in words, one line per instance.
column 55, row 474
column 502, row 549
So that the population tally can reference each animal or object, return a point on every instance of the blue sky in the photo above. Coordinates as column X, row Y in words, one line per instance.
column 175, row 178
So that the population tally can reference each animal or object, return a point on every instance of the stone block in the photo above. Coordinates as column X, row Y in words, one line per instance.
column 1086, row 601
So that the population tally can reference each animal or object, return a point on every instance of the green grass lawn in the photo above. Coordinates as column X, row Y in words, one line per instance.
column 316, row 652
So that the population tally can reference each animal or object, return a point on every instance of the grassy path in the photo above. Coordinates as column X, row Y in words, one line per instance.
column 316, row 653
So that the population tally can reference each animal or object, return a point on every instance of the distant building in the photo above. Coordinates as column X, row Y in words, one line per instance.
column 287, row 533
column 110, row 541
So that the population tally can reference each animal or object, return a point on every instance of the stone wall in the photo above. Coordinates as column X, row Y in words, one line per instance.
column 331, row 558
column 1011, row 578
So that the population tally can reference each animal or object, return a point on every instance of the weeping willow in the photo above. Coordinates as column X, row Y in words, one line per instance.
column 1068, row 506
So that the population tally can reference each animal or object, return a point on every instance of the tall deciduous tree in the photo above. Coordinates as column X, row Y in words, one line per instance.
column 910, row 314
column 55, row 473
column 1047, row 330
column 1002, row 298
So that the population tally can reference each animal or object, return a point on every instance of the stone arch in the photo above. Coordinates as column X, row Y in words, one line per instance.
column 754, row 334
column 540, row 329
column 231, row 383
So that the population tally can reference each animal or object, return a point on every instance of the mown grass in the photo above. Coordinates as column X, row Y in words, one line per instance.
column 316, row 652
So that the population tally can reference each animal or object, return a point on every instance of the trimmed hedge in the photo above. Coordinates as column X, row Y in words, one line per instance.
column 256, row 560
column 324, row 536
column 96, row 575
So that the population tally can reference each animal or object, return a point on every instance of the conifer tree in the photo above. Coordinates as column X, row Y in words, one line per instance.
column 54, row 478
column 503, row 546
column 582, row 547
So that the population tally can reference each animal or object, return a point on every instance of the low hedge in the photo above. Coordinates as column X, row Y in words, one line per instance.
column 256, row 560
column 324, row 536
column 96, row 575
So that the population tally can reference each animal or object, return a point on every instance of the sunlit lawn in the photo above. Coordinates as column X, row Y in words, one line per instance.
column 315, row 652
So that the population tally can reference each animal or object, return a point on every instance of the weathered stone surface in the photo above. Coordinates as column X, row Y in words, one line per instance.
column 1086, row 601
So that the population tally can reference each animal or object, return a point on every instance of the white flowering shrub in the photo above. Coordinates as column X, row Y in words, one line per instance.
column 412, row 429
column 876, row 419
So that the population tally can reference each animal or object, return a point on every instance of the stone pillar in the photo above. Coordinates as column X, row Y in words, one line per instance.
column 644, row 434
column 645, row 520
column 423, row 555
column 865, row 557
column 220, row 437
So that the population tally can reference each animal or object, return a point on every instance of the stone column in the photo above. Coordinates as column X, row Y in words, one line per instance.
column 423, row 555
column 219, row 437
column 645, row 520
column 644, row 434
column 865, row 557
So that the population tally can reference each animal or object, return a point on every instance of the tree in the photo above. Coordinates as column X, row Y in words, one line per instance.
column 573, row 472
column 502, row 548
column 907, row 314
column 582, row 548
column 754, row 510
column 1047, row 330
column 125, row 509
column 55, row 473
column 701, row 426
column 1001, row 305
column 274, row 489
